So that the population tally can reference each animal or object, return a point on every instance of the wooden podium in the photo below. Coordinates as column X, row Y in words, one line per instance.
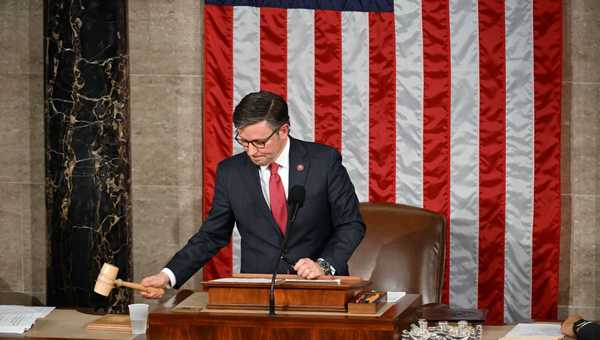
column 247, row 318
column 250, row 291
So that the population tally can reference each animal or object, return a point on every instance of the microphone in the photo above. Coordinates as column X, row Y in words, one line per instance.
column 295, row 201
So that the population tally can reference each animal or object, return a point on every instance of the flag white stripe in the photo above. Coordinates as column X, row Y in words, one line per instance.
column 300, row 77
column 409, row 102
column 246, row 76
column 355, row 100
column 246, row 55
column 464, row 153
column 519, row 160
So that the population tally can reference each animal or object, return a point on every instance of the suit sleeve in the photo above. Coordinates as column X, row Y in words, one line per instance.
column 213, row 235
column 589, row 332
column 349, row 228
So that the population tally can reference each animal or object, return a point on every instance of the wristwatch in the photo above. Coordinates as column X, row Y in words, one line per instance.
column 579, row 324
column 326, row 267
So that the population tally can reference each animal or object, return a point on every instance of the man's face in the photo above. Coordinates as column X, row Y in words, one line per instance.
column 262, row 133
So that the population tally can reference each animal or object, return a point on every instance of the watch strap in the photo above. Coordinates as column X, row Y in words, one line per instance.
column 326, row 267
column 577, row 325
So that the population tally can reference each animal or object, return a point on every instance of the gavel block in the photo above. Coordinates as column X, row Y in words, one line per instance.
column 107, row 279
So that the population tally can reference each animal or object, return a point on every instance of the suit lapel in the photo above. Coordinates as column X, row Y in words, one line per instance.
column 255, row 189
column 299, row 167
column 299, row 164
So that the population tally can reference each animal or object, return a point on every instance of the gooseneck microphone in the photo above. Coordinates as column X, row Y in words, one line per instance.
column 295, row 201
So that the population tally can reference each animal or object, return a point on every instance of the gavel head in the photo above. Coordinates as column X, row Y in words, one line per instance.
column 106, row 279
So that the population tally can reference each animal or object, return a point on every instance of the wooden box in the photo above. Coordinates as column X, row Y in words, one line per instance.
column 371, row 307
column 111, row 323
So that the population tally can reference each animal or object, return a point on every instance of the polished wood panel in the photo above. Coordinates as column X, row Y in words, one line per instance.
column 70, row 325
column 305, row 295
column 167, row 324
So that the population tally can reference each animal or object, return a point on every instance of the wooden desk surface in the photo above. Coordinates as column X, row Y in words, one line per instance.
column 495, row 332
column 72, row 326
column 243, row 323
column 68, row 324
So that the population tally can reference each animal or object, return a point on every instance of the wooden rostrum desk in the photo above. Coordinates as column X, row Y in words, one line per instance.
column 165, row 322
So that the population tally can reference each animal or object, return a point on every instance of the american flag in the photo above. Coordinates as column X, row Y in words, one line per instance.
column 453, row 106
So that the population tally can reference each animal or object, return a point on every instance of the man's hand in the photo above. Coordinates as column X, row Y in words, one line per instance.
column 160, row 280
column 567, row 326
column 308, row 269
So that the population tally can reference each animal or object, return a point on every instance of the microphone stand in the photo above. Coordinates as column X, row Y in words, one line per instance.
column 296, row 206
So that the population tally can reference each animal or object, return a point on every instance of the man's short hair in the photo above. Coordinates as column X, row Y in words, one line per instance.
column 258, row 106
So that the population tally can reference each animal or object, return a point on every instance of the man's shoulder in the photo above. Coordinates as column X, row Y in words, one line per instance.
column 315, row 149
column 233, row 161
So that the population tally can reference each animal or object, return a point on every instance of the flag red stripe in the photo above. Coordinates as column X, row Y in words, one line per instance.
column 492, row 159
column 218, row 90
column 436, row 115
column 328, row 78
column 382, row 108
column 273, row 50
column 547, row 32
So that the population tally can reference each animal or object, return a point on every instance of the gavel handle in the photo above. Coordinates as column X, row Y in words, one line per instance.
column 137, row 286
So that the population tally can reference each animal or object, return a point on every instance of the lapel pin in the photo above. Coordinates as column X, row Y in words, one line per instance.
column 300, row 167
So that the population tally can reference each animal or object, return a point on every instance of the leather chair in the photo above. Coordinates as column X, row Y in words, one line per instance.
column 403, row 250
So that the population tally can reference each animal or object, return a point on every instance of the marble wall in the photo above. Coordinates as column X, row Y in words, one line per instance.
column 166, row 141
column 87, row 130
column 580, row 258
column 166, row 137
column 22, row 212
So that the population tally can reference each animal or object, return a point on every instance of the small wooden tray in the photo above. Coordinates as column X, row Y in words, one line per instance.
column 111, row 322
column 370, row 307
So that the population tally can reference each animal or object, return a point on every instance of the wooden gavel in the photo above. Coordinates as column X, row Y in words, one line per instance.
column 107, row 279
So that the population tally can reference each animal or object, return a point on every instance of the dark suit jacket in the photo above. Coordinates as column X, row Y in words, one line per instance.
column 589, row 332
column 327, row 226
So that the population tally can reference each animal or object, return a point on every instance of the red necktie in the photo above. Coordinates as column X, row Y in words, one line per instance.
column 277, row 197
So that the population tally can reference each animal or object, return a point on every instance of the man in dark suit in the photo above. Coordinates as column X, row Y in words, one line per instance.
column 577, row 327
column 251, row 190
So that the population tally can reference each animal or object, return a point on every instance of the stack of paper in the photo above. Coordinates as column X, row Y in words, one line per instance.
column 394, row 296
column 241, row 280
column 534, row 331
column 18, row 319
column 315, row 282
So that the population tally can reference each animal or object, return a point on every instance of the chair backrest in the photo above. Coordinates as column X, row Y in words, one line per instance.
column 403, row 250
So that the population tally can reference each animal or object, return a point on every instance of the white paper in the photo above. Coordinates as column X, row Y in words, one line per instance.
column 306, row 281
column 39, row 312
column 394, row 296
column 18, row 319
column 264, row 280
column 241, row 280
column 531, row 329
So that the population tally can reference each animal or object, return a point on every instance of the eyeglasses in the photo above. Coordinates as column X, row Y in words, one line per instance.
column 257, row 143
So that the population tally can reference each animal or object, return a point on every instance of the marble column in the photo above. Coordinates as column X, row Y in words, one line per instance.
column 87, row 149
column 580, row 283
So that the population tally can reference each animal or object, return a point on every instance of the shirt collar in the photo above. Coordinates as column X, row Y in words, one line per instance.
column 284, row 157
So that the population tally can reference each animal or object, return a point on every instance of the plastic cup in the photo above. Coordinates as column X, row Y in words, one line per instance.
column 138, row 314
